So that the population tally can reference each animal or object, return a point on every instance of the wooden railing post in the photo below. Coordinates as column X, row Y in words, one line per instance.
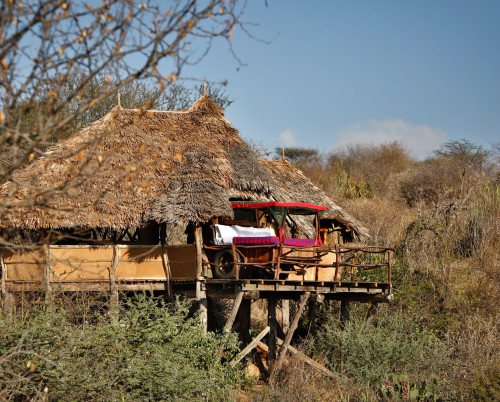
column 168, row 272
column 114, row 298
column 7, row 298
column 47, row 273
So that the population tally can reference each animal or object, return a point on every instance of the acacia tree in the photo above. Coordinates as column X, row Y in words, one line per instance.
column 45, row 44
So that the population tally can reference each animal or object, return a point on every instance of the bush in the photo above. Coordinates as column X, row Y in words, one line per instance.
column 154, row 352
column 385, row 347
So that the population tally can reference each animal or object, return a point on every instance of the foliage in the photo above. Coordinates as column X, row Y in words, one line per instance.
column 155, row 352
column 386, row 345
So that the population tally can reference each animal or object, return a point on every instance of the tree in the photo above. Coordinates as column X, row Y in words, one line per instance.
column 44, row 45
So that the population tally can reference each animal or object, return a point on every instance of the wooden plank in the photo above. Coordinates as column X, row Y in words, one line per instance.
column 345, row 308
column 7, row 298
column 114, row 299
column 199, row 251
column 168, row 272
column 285, row 314
column 234, row 311
column 47, row 273
column 201, row 297
column 249, row 347
column 272, row 302
column 303, row 300
column 311, row 362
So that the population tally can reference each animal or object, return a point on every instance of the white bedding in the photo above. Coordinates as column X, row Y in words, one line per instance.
column 224, row 234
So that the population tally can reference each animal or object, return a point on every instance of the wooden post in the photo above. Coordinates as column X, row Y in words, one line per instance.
column 272, row 302
column 7, row 298
column 234, row 310
column 249, row 347
column 345, row 308
column 199, row 251
column 285, row 314
column 311, row 328
column 47, row 273
column 168, row 272
column 289, row 334
column 278, row 262
column 243, row 317
column 114, row 299
column 336, row 276
column 201, row 297
column 201, row 293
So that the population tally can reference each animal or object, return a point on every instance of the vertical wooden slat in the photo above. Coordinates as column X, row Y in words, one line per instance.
column 201, row 297
column 285, row 313
column 199, row 251
column 114, row 298
column 336, row 278
column 168, row 272
column 345, row 309
column 47, row 273
column 272, row 302
column 7, row 298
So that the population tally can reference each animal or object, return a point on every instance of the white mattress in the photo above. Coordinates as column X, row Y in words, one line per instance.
column 224, row 234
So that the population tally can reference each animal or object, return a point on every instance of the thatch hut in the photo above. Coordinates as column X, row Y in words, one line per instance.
column 144, row 178
column 134, row 168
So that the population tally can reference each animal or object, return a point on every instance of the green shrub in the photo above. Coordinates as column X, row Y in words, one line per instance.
column 155, row 352
column 385, row 347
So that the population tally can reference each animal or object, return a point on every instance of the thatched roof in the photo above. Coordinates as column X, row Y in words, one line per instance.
column 132, row 166
column 293, row 186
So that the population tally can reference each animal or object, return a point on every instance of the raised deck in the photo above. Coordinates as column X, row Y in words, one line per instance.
column 172, row 269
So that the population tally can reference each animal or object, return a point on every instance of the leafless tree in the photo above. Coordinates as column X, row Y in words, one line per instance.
column 45, row 44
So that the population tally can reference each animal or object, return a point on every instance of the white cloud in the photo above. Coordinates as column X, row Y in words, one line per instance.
column 288, row 138
column 420, row 140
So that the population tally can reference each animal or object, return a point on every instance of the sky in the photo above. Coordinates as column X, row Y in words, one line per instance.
column 342, row 72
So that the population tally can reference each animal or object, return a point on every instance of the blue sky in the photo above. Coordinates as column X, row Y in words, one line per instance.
column 339, row 72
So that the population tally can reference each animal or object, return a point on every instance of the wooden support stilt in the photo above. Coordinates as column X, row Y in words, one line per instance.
column 289, row 335
column 234, row 310
column 311, row 328
column 114, row 299
column 243, row 318
column 272, row 302
column 249, row 347
column 285, row 314
column 201, row 293
column 345, row 308
column 201, row 298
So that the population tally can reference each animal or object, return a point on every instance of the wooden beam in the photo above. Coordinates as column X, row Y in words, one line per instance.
column 289, row 334
column 311, row 328
column 345, row 308
column 249, row 347
column 168, row 272
column 201, row 297
column 272, row 302
column 234, row 311
column 114, row 299
column 313, row 363
column 199, row 251
column 7, row 298
column 47, row 273
column 285, row 314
